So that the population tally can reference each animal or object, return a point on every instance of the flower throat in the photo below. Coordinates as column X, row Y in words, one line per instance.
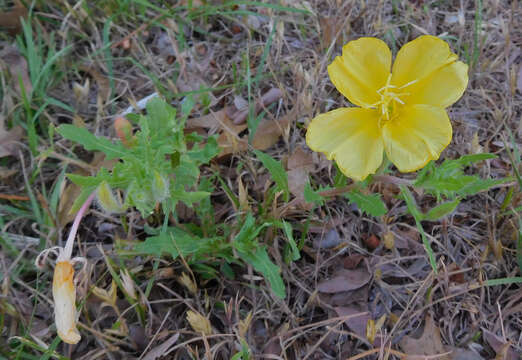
column 389, row 99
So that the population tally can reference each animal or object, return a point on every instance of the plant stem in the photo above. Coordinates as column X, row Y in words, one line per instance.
column 67, row 251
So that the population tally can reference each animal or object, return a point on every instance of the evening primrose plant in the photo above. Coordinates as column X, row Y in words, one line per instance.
column 159, row 166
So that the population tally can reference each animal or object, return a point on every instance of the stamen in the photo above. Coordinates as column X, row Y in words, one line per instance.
column 388, row 97
column 410, row 83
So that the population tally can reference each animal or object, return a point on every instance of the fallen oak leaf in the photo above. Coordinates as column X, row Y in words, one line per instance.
column 269, row 131
column 345, row 280
column 430, row 343
column 357, row 318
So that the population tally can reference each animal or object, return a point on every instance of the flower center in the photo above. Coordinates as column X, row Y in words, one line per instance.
column 390, row 100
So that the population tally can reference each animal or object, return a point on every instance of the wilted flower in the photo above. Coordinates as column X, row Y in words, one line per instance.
column 64, row 295
column 64, row 289
column 401, row 113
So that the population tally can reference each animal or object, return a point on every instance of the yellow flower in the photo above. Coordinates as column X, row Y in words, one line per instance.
column 401, row 113
column 64, row 295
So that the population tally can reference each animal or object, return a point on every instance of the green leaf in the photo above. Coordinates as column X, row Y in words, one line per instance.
column 160, row 116
column 175, row 241
column 189, row 197
column 261, row 262
column 473, row 158
column 441, row 210
column 417, row 215
column 252, row 253
column 503, row 281
column 277, row 171
column 187, row 105
column 310, row 195
column 287, row 228
column 206, row 153
column 479, row 185
column 370, row 204
column 91, row 142
column 449, row 179
column 80, row 180
column 84, row 194
column 245, row 239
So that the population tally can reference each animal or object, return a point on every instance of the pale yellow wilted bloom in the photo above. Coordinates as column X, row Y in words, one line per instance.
column 401, row 109
column 64, row 289
column 64, row 295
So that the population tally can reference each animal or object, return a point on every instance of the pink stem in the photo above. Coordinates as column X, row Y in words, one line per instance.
column 67, row 251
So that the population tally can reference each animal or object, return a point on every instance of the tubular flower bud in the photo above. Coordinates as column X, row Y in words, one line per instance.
column 107, row 200
column 64, row 296
column 160, row 187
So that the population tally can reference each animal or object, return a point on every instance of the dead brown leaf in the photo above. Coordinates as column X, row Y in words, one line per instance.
column 329, row 240
column 269, row 131
column 220, row 122
column 269, row 97
column 9, row 139
column 501, row 347
column 301, row 159
column 13, row 62
column 358, row 320
column 10, row 18
column 430, row 343
column 352, row 261
column 345, row 280
column 161, row 349
column 463, row 354
column 346, row 298
column 6, row 172
column 101, row 80
column 329, row 27
column 299, row 164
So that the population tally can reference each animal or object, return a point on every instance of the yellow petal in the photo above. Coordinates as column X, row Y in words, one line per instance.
column 362, row 69
column 64, row 295
column 351, row 136
column 429, row 73
column 442, row 88
column 416, row 136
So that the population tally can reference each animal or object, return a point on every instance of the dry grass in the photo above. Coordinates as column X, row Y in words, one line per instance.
column 172, row 57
